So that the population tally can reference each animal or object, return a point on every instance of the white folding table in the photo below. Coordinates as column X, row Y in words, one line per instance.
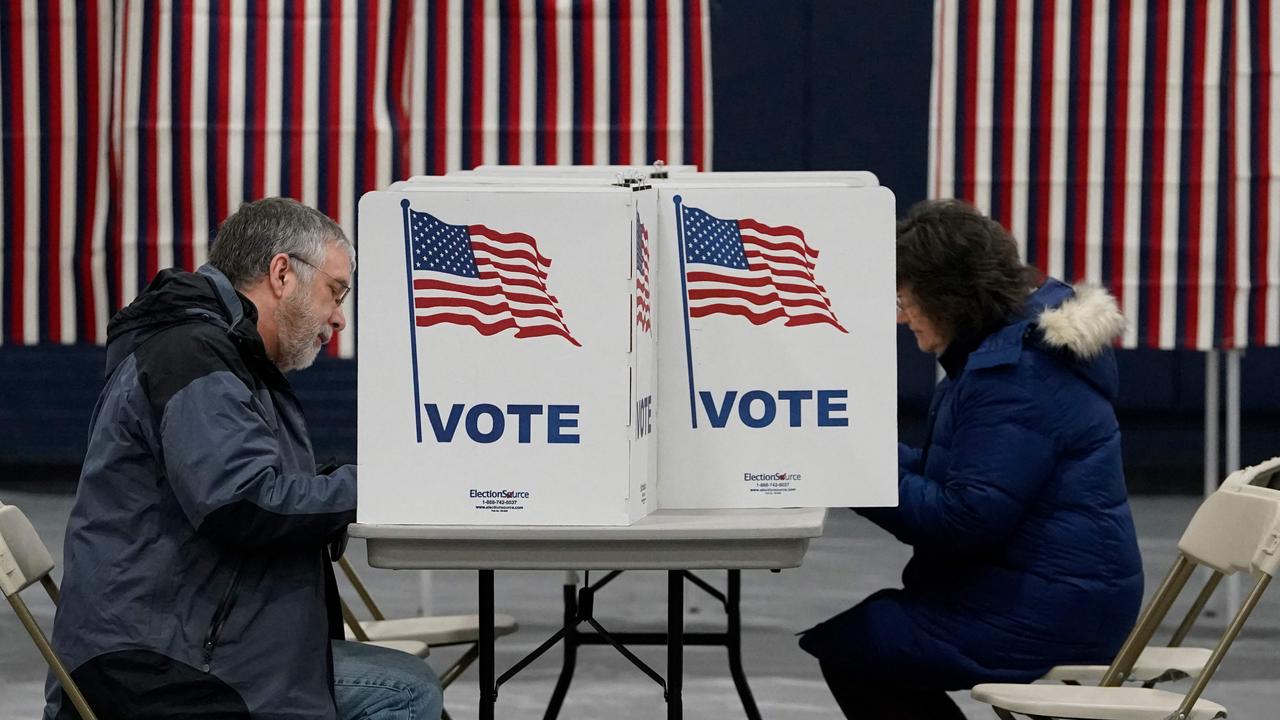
column 677, row 541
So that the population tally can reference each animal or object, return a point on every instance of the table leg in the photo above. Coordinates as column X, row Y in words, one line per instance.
column 570, row 647
column 488, row 691
column 733, row 643
column 675, row 644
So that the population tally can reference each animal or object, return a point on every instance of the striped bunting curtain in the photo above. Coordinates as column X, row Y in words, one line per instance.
column 224, row 101
column 560, row 82
column 216, row 102
column 55, row 89
column 1128, row 143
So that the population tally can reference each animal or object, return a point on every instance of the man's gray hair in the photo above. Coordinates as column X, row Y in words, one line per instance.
column 262, row 229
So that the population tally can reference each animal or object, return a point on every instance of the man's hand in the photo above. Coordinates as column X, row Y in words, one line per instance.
column 337, row 545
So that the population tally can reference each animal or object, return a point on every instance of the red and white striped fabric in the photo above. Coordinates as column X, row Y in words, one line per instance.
column 55, row 88
column 554, row 82
column 214, row 103
column 1129, row 143
column 226, row 101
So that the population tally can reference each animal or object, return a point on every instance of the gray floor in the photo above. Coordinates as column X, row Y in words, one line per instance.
column 851, row 561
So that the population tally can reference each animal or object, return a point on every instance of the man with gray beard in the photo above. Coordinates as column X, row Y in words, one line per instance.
column 198, row 582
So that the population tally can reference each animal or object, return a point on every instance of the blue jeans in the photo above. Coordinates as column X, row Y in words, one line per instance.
column 373, row 683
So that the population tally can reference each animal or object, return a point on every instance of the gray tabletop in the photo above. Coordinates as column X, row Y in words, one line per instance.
column 664, row 540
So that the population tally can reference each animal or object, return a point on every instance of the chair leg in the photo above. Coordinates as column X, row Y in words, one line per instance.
column 1006, row 715
column 55, row 664
column 50, row 587
column 459, row 666
column 357, row 631
column 1147, row 623
column 1197, row 607
column 1220, row 650
column 360, row 589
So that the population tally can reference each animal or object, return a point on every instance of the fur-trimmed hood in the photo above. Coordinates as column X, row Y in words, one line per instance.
column 1077, row 325
column 1084, row 325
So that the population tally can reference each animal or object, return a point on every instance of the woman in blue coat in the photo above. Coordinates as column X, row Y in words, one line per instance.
column 1025, row 553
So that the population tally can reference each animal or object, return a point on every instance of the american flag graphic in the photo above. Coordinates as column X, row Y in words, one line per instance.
column 475, row 276
column 132, row 128
column 1133, row 144
column 644, row 309
column 756, row 271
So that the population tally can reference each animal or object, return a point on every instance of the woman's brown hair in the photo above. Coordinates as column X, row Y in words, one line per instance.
column 962, row 267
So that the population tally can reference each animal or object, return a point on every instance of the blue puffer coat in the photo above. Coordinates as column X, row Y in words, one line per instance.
column 1025, row 552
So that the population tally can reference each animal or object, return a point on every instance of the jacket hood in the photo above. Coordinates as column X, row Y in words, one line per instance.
column 1077, row 325
column 1083, row 324
column 175, row 297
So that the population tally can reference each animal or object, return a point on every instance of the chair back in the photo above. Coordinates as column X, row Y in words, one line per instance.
column 1264, row 474
column 1261, row 477
column 1236, row 529
column 24, row 559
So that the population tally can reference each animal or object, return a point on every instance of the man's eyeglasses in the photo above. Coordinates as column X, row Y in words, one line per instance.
column 338, row 297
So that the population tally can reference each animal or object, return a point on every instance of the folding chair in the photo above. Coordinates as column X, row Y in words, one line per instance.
column 1174, row 661
column 434, row 630
column 1236, row 529
column 417, row 648
column 24, row 561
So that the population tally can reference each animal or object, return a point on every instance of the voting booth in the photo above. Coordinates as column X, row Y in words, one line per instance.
column 857, row 178
column 507, row 367
column 656, row 170
column 777, row 354
column 757, row 363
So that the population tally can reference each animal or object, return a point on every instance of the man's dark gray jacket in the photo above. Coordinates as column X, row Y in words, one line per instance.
column 195, row 569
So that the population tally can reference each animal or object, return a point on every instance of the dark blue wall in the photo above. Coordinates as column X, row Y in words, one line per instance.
column 824, row 85
column 47, row 396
